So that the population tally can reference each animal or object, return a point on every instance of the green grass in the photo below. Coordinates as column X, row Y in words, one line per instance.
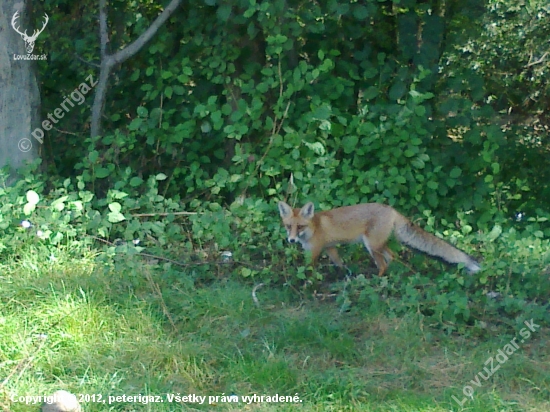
column 66, row 323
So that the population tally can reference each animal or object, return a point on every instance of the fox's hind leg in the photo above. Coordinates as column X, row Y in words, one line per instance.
column 388, row 254
column 381, row 254
column 334, row 257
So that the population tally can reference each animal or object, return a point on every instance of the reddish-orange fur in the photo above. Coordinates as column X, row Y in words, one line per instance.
column 369, row 223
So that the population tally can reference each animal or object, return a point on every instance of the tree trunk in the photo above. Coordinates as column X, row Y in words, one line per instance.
column 19, row 95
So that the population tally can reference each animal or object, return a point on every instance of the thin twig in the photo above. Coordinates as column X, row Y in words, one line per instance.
column 166, row 214
column 283, row 118
column 180, row 264
column 277, row 126
column 86, row 61
column 541, row 60
column 64, row 132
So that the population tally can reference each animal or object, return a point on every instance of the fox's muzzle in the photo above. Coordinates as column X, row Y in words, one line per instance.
column 291, row 240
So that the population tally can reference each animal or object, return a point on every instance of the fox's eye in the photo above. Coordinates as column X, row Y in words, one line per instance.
column 301, row 228
column 287, row 227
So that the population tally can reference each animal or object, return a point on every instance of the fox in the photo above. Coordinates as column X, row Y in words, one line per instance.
column 369, row 223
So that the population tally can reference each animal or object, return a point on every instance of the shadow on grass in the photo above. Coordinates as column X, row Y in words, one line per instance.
column 69, row 324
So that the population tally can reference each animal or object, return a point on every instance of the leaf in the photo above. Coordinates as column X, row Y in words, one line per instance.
column 360, row 12
column 494, row 233
column 28, row 208
column 136, row 181
column 370, row 73
column 397, row 90
column 224, row 12
column 59, row 204
column 93, row 156
column 455, row 172
column 420, row 110
column 325, row 125
column 142, row 111
column 102, row 172
column 115, row 207
column 316, row 147
column 135, row 75
column 418, row 163
column 206, row 127
column 249, row 12
column 371, row 93
column 350, row 143
column 115, row 217
column 32, row 197
column 135, row 124
column 322, row 112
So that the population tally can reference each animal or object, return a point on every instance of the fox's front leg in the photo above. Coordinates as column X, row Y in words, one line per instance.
column 332, row 253
column 315, row 252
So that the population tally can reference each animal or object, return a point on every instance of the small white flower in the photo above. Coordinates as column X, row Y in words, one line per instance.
column 26, row 224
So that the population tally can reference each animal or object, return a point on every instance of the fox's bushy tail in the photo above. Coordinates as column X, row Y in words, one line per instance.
column 416, row 238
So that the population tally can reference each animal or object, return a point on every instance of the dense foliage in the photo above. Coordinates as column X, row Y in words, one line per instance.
column 436, row 107
column 383, row 101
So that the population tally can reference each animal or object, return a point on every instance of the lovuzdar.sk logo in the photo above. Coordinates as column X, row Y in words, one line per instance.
column 29, row 40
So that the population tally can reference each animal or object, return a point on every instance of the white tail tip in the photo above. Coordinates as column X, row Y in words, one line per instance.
column 473, row 267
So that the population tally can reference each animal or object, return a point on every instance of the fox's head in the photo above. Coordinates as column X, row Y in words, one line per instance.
column 297, row 222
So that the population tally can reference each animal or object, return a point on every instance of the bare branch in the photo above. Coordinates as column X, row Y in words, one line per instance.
column 134, row 47
column 99, row 98
column 541, row 60
column 103, row 35
column 109, row 60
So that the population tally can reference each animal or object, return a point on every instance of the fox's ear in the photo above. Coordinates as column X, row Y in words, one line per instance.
column 307, row 211
column 284, row 209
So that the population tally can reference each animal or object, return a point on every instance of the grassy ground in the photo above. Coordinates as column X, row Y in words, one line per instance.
column 68, row 324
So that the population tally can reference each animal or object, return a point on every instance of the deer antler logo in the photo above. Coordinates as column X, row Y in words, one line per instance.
column 29, row 40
